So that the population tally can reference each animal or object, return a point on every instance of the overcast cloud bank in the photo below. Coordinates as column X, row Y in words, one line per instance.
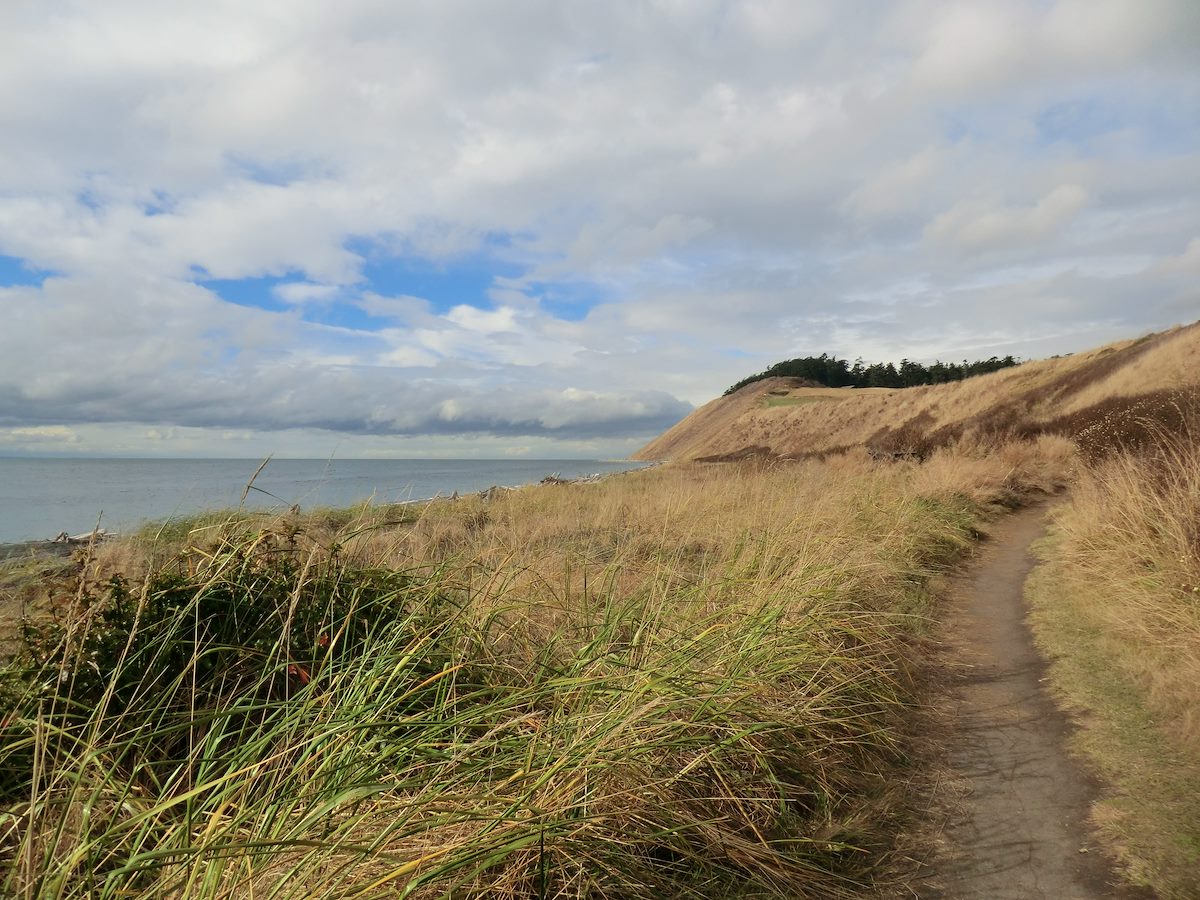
column 551, row 227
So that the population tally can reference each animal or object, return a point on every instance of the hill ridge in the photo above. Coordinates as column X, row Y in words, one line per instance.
column 1109, row 396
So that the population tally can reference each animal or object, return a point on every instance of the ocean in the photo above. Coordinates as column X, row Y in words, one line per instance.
column 41, row 497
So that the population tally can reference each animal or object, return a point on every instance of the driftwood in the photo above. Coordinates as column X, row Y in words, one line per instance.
column 496, row 490
column 98, row 535
column 582, row 479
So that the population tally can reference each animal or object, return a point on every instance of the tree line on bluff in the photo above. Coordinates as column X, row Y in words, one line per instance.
column 833, row 372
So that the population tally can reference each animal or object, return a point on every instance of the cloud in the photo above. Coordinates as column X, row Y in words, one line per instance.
column 559, row 223
column 982, row 224
column 40, row 434
column 300, row 292
column 1186, row 263
column 494, row 321
column 168, row 362
column 894, row 190
column 974, row 43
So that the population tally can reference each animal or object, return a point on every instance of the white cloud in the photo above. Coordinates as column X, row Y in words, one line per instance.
column 1108, row 31
column 897, row 187
column 671, row 195
column 40, row 434
column 470, row 318
column 1186, row 263
column 301, row 292
column 975, row 43
column 984, row 224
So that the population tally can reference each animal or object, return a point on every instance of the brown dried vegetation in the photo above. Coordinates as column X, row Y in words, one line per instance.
column 1105, row 399
column 1117, row 606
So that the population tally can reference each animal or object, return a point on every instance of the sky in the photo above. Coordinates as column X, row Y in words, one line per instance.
column 550, row 228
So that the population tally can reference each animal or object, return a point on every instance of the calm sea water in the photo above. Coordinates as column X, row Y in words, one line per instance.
column 41, row 497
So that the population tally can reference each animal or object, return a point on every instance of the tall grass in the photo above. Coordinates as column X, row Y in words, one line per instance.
column 1117, row 604
column 692, row 681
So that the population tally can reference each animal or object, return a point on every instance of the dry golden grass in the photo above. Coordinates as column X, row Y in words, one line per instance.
column 1008, row 472
column 1117, row 604
column 1173, row 363
column 693, row 680
column 1031, row 397
column 1132, row 530
column 1119, row 599
column 805, row 526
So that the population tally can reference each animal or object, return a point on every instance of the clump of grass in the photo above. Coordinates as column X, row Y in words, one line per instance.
column 176, row 530
column 1117, row 603
column 689, row 682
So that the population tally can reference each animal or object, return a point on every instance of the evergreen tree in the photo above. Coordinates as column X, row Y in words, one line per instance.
column 831, row 371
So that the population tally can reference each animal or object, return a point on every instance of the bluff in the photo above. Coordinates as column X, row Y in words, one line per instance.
column 1113, row 396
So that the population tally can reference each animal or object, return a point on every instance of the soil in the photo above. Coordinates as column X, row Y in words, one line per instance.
column 1018, row 825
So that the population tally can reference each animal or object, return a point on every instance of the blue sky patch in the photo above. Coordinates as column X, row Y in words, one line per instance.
column 1076, row 120
column 278, row 173
column 14, row 271
column 1162, row 129
column 162, row 204
column 570, row 301
column 463, row 280
column 257, row 293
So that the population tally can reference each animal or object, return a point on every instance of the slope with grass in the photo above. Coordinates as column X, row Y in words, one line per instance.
column 1085, row 397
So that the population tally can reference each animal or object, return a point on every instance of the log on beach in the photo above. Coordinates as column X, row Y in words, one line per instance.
column 62, row 545
column 85, row 538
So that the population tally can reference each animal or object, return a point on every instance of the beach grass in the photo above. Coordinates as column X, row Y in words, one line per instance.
column 1116, row 605
column 690, row 681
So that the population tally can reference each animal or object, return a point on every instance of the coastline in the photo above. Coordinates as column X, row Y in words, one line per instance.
column 64, row 545
column 41, row 498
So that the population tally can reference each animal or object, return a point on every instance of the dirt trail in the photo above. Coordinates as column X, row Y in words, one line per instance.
column 1020, row 829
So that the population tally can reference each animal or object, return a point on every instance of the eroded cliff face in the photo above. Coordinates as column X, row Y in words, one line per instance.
column 1112, row 396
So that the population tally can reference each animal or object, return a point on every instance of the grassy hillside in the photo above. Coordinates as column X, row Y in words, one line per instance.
column 696, row 680
column 1083, row 397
